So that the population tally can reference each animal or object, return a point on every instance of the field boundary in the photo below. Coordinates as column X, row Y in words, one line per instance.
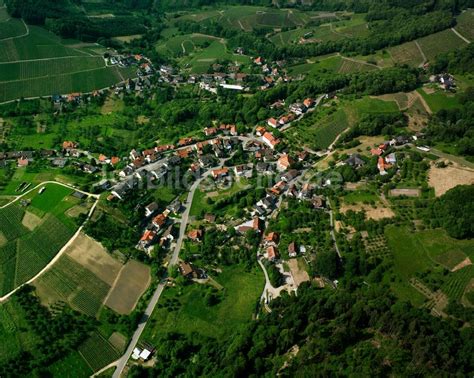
column 26, row 34
column 460, row 36
column 64, row 248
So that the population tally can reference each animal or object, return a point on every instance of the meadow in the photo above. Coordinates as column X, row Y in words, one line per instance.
column 25, row 251
column 183, row 309
column 415, row 252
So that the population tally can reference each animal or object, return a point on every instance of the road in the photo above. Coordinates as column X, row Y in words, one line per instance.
column 122, row 362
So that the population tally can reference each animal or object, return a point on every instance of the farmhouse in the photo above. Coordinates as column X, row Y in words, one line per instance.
column 284, row 162
column 271, row 253
column 270, row 140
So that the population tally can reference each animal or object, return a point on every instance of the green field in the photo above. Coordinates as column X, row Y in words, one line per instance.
column 439, row 100
column 42, row 64
column 24, row 252
column 184, row 44
column 415, row 252
column 438, row 43
column 10, row 27
column 73, row 362
column 465, row 24
column 98, row 352
column 331, row 64
column 183, row 309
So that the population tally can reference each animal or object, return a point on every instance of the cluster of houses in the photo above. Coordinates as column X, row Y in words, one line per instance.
column 445, row 81
column 296, row 110
column 160, row 228
column 270, row 246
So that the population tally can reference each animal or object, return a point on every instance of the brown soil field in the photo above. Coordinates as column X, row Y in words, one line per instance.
column 380, row 212
column 466, row 262
column 75, row 211
column 31, row 221
column 131, row 283
column 299, row 275
column 443, row 179
column 90, row 254
column 405, row 192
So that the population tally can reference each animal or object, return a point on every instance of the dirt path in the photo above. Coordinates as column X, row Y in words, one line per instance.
column 27, row 33
column 422, row 54
column 361, row 62
column 423, row 102
column 461, row 36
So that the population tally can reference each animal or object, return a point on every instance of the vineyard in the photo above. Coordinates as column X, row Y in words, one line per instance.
column 457, row 281
column 23, row 252
column 98, row 352
column 69, row 281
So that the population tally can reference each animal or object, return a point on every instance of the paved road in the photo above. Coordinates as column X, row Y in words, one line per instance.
column 122, row 362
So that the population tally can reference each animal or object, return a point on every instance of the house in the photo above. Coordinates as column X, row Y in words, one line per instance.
column 22, row 161
column 447, row 82
column 188, row 270
column 376, row 151
column 382, row 166
column 69, row 145
column 240, row 169
column 292, row 191
column 355, row 161
column 272, row 122
column 278, row 188
column 147, row 239
column 297, row 108
column 303, row 155
column 196, row 235
column 141, row 175
column 292, row 249
column 269, row 202
column 284, row 162
column 211, row 218
column 258, row 224
column 185, row 141
column 286, row 119
column 167, row 236
column 206, row 161
column 160, row 221
column 272, row 253
column 123, row 188
column 59, row 162
column 151, row 208
column 290, row 175
column 272, row 238
column 305, row 192
column 308, row 102
column 175, row 206
column 258, row 61
column 263, row 167
column 233, row 130
column 220, row 173
column 208, row 131
column 114, row 160
column 270, row 140
column 138, row 162
column 391, row 158
column 184, row 153
column 318, row 202
column 260, row 130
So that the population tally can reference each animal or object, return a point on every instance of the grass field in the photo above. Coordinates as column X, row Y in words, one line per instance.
column 184, row 44
column 184, row 309
column 465, row 24
column 438, row 43
column 330, row 64
column 73, row 362
column 24, row 253
column 417, row 252
column 439, row 100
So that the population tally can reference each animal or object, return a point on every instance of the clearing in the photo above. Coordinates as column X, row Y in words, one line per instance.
column 443, row 179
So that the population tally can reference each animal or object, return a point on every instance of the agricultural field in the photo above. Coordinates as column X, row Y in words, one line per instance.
column 184, row 309
column 39, row 63
column 250, row 17
column 439, row 43
column 437, row 99
column 98, row 352
column 465, row 24
column 23, row 251
column 331, row 64
column 202, row 59
column 415, row 252
column 185, row 44
column 407, row 53
column 87, row 276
